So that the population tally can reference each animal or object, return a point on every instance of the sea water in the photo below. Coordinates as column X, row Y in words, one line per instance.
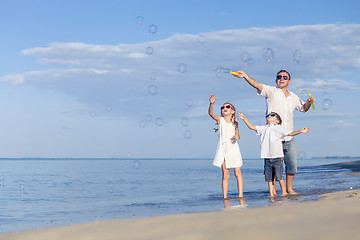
column 38, row 193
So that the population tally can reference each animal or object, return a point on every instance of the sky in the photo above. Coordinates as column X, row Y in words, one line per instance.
column 132, row 79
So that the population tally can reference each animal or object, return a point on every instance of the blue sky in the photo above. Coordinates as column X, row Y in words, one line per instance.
column 77, row 78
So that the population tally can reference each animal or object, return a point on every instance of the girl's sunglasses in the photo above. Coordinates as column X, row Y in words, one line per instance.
column 280, row 76
column 227, row 106
column 273, row 115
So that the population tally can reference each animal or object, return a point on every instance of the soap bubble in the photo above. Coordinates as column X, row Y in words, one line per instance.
column 149, row 50
column 187, row 134
column 228, row 70
column 142, row 124
column 139, row 20
column 304, row 95
column 325, row 96
column 189, row 102
column 219, row 71
column 249, row 62
column 325, row 83
column 92, row 114
column 166, row 124
column 182, row 68
column 297, row 56
column 108, row 108
column 148, row 118
column 152, row 90
column 153, row 76
column 201, row 39
column 245, row 56
column 268, row 54
column 159, row 121
column 209, row 52
column 327, row 104
column 152, row 29
column 185, row 121
column 137, row 164
column 301, row 155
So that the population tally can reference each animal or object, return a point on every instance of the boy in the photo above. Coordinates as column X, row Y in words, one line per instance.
column 272, row 135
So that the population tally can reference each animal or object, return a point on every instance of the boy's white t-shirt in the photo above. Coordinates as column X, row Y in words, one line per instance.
column 272, row 136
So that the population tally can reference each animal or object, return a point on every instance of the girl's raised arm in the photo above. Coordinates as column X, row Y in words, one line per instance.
column 211, row 106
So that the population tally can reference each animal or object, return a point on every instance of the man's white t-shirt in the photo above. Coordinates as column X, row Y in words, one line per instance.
column 276, row 102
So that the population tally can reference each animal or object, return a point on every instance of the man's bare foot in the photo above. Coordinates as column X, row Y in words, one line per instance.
column 292, row 192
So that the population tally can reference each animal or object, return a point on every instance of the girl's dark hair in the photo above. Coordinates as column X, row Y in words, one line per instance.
column 285, row 72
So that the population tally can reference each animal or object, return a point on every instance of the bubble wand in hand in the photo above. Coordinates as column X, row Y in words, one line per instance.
column 313, row 107
column 234, row 73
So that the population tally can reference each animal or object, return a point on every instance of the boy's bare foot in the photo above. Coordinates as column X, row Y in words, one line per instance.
column 273, row 199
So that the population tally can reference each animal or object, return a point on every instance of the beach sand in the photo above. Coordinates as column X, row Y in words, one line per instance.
column 335, row 216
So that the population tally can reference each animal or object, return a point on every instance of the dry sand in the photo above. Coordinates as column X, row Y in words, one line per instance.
column 336, row 216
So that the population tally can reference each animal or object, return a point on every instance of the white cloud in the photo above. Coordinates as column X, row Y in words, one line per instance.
column 318, row 84
column 13, row 78
column 121, row 73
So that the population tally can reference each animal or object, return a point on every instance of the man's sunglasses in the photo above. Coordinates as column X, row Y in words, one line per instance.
column 280, row 76
column 273, row 115
column 227, row 106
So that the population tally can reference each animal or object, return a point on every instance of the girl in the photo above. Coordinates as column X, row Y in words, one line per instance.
column 228, row 152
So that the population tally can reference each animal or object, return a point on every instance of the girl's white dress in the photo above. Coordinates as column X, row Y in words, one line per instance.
column 227, row 148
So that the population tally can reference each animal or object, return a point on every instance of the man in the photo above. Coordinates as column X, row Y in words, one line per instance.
column 282, row 101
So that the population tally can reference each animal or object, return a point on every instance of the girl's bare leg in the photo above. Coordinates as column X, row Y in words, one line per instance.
column 225, row 179
column 240, row 182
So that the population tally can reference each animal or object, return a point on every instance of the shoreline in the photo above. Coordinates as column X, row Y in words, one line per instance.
column 335, row 215
column 354, row 166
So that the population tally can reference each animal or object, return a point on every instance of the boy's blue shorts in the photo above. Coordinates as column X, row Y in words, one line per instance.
column 273, row 169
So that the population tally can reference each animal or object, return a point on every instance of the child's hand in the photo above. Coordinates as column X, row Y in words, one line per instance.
column 241, row 115
column 234, row 139
column 212, row 98
column 305, row 130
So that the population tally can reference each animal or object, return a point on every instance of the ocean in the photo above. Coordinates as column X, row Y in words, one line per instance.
column 38, row 193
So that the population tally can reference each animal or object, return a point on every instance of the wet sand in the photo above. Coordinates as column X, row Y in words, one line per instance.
column 335, row 216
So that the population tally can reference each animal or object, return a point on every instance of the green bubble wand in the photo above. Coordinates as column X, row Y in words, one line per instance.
column 313, row 107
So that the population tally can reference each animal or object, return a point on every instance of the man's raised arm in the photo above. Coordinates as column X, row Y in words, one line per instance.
column 251, row 81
